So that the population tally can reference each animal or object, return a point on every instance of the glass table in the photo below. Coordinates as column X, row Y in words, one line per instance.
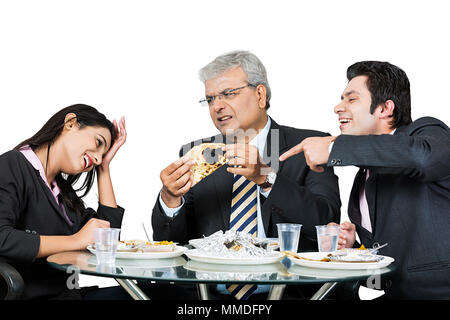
column 182, row 270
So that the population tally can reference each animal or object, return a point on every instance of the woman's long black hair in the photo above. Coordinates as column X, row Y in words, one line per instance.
column 86, row 116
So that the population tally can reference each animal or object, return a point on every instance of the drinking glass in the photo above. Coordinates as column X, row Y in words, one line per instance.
column 106, row 244
column 327, row 238
column 288, row 236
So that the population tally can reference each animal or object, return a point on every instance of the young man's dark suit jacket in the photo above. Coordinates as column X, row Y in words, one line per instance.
column 28, row 210
column 299, row 195
column 408, row 193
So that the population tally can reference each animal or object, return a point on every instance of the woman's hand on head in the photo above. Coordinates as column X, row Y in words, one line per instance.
column 121, row 137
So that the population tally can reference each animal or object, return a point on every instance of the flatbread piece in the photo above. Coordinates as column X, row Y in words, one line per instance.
column 207, row 160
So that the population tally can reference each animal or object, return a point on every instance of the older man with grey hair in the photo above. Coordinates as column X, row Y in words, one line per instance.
column 250, row 64
column 251, row 193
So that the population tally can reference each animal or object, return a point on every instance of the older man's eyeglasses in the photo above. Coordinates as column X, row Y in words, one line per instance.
column 227, row 94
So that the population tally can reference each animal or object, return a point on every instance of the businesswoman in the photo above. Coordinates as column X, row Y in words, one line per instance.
column 41, row 211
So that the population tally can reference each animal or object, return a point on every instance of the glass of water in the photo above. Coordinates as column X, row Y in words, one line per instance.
column 327, row 238
column 288, row 236
column 106, row 244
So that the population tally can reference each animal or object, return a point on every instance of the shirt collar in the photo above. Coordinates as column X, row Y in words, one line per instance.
column 260, row 140
column 36, row 163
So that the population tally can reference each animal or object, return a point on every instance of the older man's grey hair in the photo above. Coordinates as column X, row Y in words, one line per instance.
column 252, row 66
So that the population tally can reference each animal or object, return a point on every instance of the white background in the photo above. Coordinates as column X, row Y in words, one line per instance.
column 140, row 59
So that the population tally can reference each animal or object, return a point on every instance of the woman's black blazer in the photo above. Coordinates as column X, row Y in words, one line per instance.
column 29, row 210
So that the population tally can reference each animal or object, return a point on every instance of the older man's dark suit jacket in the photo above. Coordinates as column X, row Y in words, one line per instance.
column 299, row 195
column 408, row 193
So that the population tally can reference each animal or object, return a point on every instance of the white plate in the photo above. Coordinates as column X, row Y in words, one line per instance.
column 273, row 242
column 338, row 265
column 197, row 255
column 330, row 273
column 144, row 264
column 178, row 251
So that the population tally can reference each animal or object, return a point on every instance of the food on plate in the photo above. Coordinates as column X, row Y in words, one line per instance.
column 162, row 246
column 354, row 255
column 208, row 157
column 273, row 243
column 145, row 246
column 132, row 242
column 232, row 244
column 129, row 245
column 297, row 256
column 343, row 255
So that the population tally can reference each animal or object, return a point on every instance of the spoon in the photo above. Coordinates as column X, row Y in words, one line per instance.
column 376, row 248
column 145, row 230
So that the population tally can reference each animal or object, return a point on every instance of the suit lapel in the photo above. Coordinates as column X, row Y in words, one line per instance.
column 50, row 197
column 275, row 132
column 354, row 212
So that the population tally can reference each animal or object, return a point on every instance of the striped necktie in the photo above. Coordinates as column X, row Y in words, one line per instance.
column 364, row 206
column 243, row 218
column 243, row 206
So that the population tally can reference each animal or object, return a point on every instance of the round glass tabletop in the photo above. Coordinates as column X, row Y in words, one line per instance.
column 183, row 270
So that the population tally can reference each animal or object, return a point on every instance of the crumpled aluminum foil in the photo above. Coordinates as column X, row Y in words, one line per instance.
column 231, row 244
column 354, row 255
